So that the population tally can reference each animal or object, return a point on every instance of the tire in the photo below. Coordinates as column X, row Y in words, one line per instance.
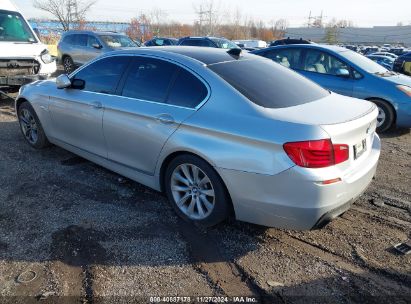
column 386, row 115
column 206, row 193
column 68, row 65
column 31, row 127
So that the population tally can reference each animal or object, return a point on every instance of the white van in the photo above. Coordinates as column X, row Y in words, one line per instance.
column 23, row 58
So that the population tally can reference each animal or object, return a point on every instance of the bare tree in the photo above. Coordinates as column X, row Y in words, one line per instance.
column 157, row 17
column 67, row 12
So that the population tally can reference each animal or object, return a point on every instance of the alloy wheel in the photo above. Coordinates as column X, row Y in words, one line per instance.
column 381, row 117
column 29, row 126
column 68, row 65
column 192, row 191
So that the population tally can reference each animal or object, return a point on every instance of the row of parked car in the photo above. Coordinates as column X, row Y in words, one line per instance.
column 78, row 47
column 335, row 68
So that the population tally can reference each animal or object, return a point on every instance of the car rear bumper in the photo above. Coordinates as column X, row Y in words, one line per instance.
column 294, row 201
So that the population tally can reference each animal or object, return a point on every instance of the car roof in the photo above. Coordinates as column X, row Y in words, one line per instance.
column 204, row 55
column 202, row 37
column 333, row 48
column 92, row 32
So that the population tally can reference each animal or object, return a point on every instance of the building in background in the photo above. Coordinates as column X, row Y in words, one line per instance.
column 356, row 35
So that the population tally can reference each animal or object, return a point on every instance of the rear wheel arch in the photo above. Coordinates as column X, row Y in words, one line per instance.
column 173, row 155
column 376, row 100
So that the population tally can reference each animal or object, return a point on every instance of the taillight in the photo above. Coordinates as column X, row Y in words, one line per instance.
column 316, row 153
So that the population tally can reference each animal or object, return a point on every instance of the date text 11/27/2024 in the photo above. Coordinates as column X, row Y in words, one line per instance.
column 174, row 299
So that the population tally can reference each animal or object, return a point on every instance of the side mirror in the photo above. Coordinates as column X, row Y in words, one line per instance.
column 343, row 73
column 96, row 46
column 78, row 84
column 63, row 82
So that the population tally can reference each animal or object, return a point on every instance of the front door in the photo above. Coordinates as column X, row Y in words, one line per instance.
column 77, row 112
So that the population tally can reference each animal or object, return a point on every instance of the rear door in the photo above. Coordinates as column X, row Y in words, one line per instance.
column 156, row 97
column 322, row 67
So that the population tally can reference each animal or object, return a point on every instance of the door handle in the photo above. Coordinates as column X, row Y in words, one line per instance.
column 96, row 105
column 166, row 119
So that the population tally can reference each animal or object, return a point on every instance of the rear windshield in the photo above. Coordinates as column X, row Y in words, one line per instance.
column 268, row 84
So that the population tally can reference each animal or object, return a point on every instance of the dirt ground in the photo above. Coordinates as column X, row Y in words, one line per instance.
column 73, row 232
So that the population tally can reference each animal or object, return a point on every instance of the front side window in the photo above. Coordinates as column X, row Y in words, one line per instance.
column 224, row 43
column 92, row 41
column 290, row 58
column 118, row 41
column 268, row 84
column 103, row 75
column 323, row 63
column 149, row 79
column 14, row 28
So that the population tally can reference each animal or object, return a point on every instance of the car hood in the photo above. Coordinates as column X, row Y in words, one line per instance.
column 332, row 109
column 20, row 50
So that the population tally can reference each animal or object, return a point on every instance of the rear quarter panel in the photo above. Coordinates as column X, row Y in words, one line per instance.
column 232, row 133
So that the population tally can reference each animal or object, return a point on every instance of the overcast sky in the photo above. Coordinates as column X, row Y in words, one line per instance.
column 361, row 12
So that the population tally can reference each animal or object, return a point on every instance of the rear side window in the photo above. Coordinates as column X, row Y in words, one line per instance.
column 68, row 39
column 268, row 84
column 103, row 75
column 78, row 40
column 188, row 91
column 290, row 58
column 149, row 79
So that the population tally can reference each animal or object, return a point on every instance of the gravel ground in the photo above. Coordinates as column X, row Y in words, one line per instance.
column 71, row 231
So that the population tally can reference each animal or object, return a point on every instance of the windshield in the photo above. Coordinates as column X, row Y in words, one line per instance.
column 118, row 41
column 267, row 83
column 224, row 43
column 364, row 63
column 14, row 28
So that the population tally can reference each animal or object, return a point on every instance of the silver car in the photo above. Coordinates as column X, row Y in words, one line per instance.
column 218, row 131
column 75, row 48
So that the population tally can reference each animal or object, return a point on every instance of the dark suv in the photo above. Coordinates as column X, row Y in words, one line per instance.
column 213, row 42
column 403, row 64
column 289, row 41
column 78, row 47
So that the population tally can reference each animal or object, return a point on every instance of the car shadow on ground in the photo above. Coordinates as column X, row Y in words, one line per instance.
column 55, row 205
column 396, row 132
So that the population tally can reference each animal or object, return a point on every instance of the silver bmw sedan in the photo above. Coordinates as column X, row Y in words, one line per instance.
column 218, row 131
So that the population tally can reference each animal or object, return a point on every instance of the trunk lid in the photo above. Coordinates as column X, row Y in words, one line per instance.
column 346, row 120
column 333, row 109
